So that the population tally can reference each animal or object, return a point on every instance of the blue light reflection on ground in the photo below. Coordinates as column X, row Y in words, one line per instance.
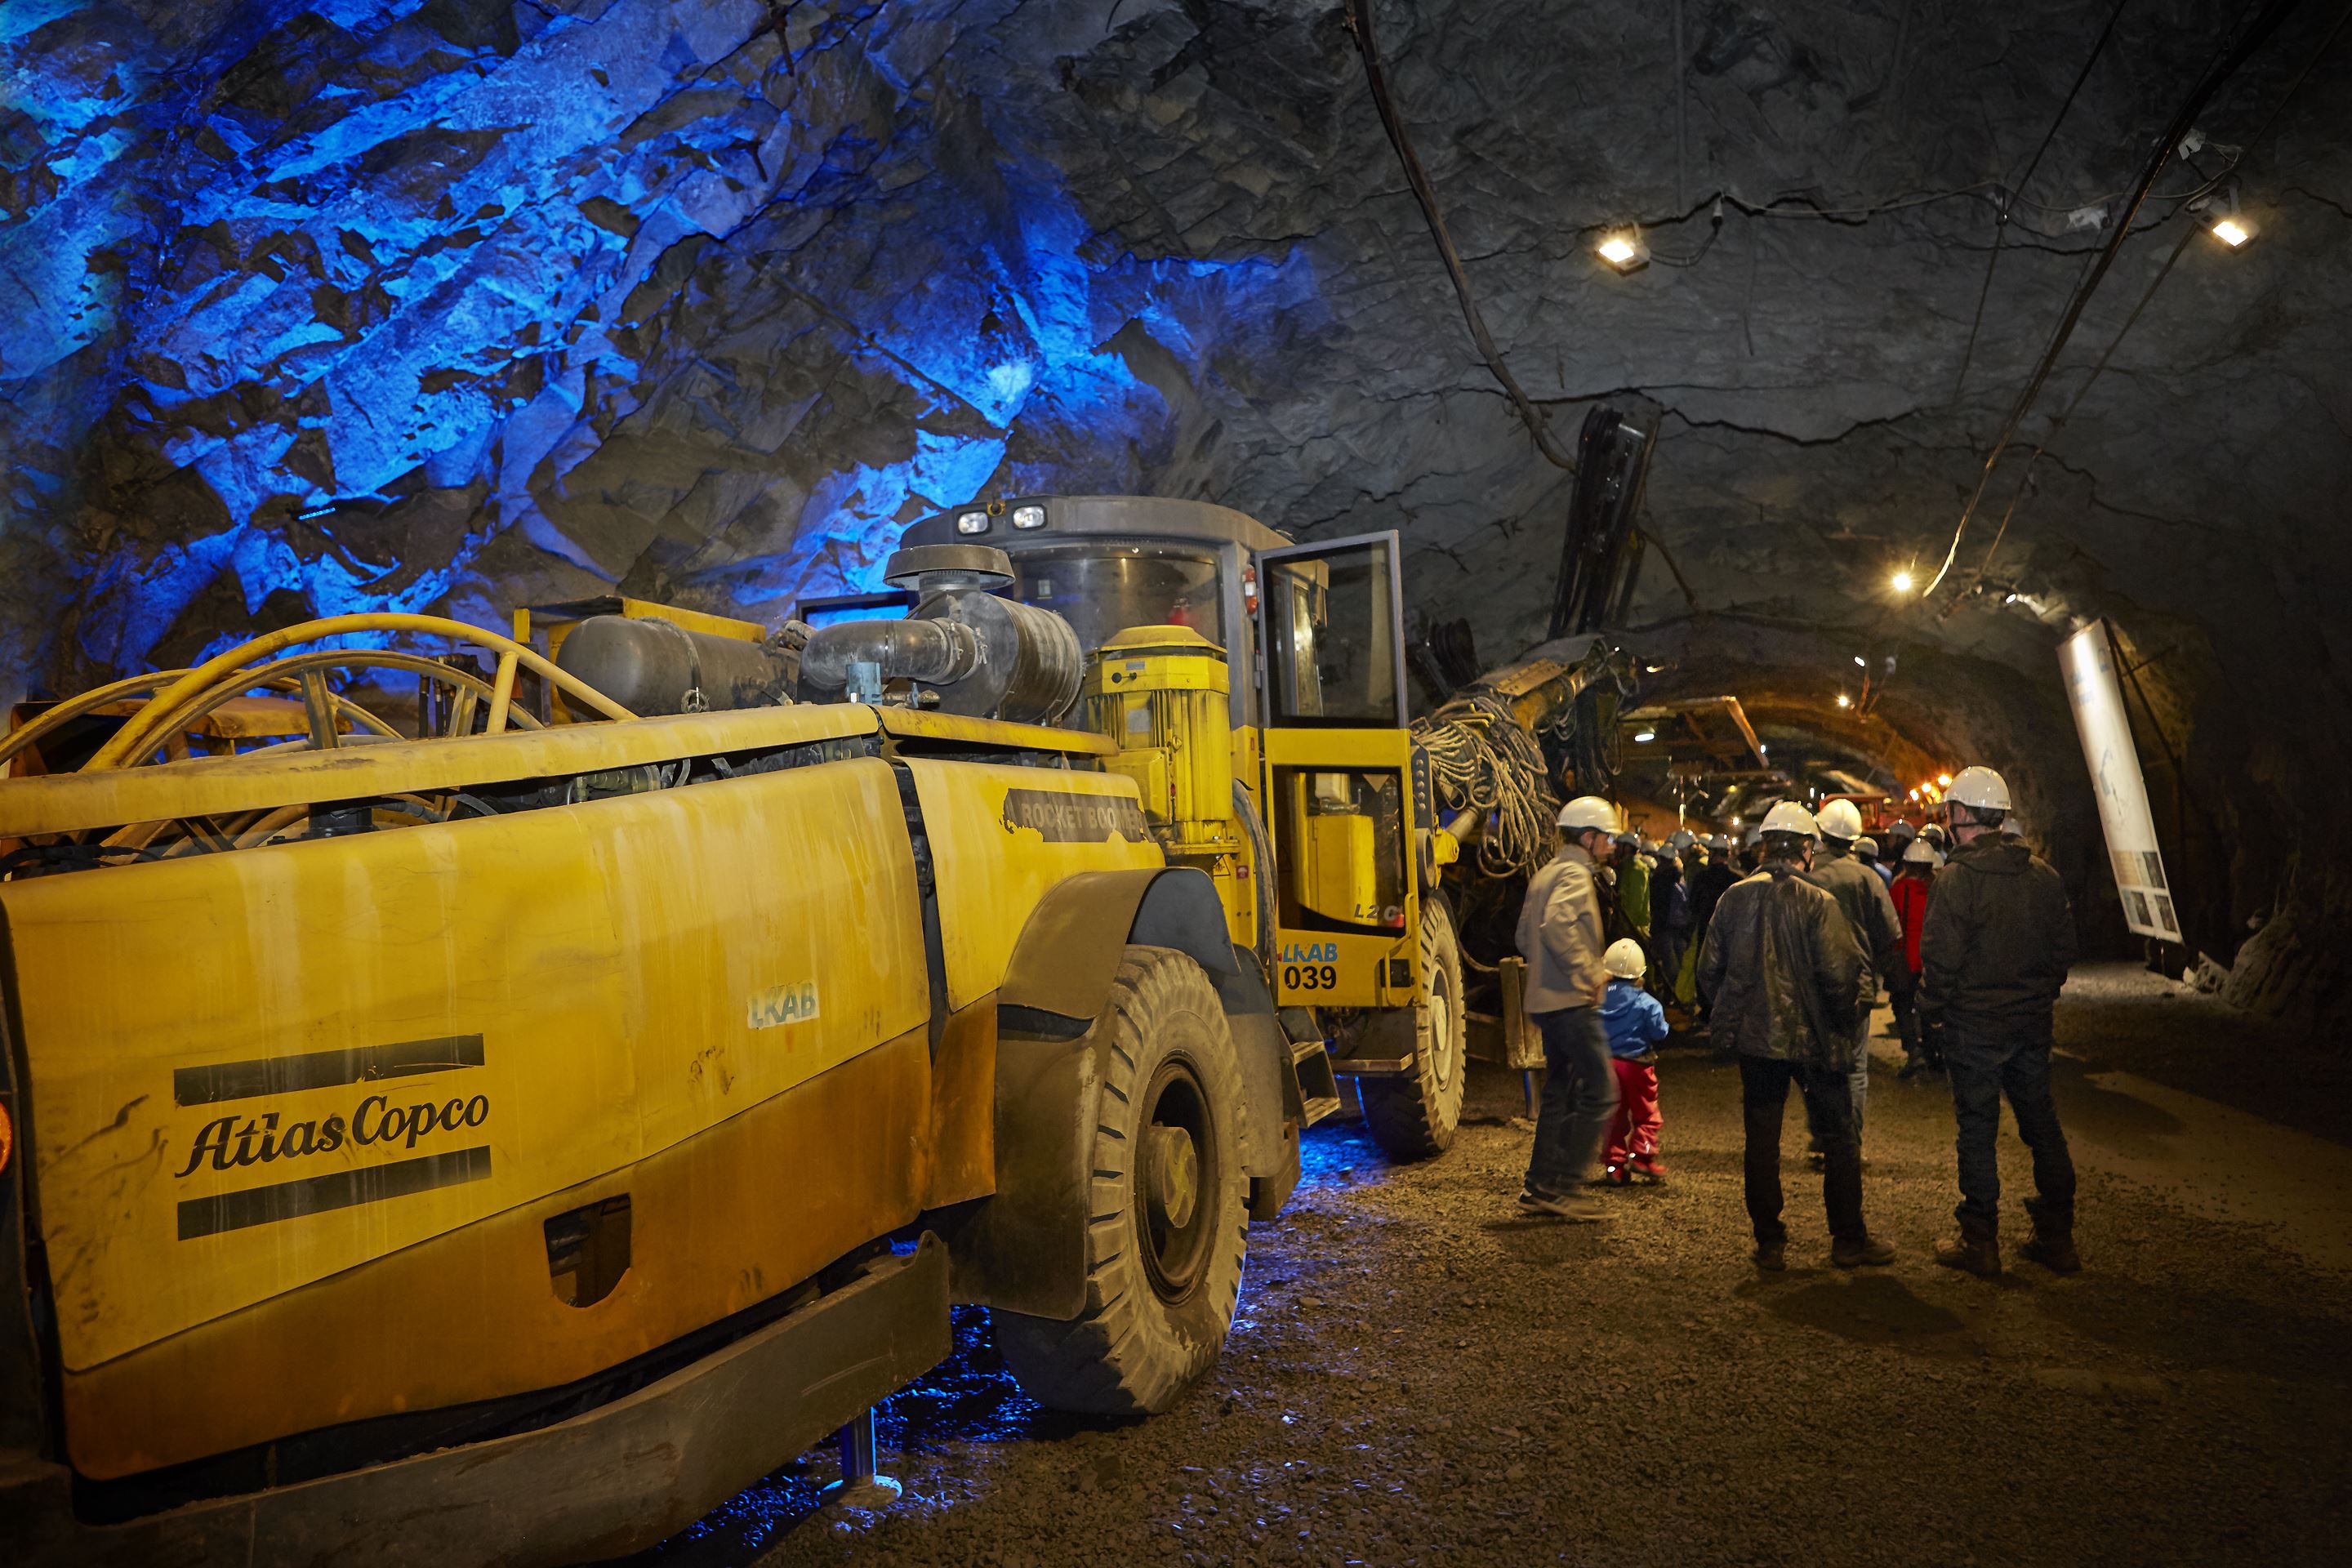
column 969, row 1399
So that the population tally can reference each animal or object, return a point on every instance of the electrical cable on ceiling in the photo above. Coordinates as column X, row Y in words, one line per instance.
column 2017, row 187
column 1359, row 22
column 2163, row 272
column 2254, row 36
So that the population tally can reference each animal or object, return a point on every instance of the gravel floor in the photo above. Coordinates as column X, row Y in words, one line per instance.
column 1421, row 1376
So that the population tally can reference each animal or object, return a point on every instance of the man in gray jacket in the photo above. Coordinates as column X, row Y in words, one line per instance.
column 1994, row 954
column 1788, row 986
column 1562, row 935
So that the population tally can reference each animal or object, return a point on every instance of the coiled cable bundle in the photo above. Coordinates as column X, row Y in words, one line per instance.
column 1481, row 759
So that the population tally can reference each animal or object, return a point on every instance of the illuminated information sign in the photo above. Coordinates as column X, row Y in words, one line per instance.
column 2087, row 661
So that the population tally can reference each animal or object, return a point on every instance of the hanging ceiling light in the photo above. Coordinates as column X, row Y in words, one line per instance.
column 2233, row 231
column 1624, row 249
column 1843, row 700
column 1901, row 582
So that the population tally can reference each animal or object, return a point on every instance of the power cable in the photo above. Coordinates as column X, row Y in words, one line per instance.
column 2163, row 272
column 2009, row 197
column 2255, row 35
column 1359, row 23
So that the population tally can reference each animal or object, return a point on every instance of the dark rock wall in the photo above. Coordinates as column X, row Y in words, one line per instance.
column 317, row 307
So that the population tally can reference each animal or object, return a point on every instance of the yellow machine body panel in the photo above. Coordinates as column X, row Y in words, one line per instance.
column 254, row 1071
column 1346, row 905
column 1001, row 837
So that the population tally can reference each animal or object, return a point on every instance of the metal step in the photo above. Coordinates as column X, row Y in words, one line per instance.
column 1369, row 1066
column 1316, row 1083
column 1320, row 1107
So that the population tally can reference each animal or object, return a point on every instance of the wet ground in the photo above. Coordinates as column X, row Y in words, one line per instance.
column 1419, row 1375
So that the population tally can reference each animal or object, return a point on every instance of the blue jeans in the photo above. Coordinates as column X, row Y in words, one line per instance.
column 1982, row 1069
column 1580, row 1096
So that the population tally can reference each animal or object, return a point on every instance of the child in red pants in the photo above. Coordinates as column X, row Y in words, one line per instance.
column 1635, row 1025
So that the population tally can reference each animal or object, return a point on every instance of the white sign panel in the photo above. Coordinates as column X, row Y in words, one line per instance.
column 2087, row 660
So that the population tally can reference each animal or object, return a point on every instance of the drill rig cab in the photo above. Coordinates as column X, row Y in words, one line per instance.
column 1256, row 689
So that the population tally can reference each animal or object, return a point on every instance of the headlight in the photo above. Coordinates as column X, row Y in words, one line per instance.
column 971, row 522
column 1028, row 517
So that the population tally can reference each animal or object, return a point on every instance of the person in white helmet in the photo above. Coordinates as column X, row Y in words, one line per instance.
column 1864, row 898
column 1562, row 934
column 1789, row 983
column 1993, row 955
column 1865, row 849
column 1636, row 1025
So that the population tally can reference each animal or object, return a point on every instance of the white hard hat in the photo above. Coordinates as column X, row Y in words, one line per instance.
column 1922, row 853
column 1790, row 817
column 1624, row 959
column 1839, row 819
column 1979, row 789
column 1588, row 811
column 1630, row 836
column 1866, row 845
column 2009, row 825
column 1755, row 836
column 1682, row 839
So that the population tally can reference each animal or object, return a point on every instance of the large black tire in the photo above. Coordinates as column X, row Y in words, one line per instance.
column 1413, row 1116
column 1160, row 1283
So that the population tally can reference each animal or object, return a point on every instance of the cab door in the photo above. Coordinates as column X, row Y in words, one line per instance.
column 1339, row 779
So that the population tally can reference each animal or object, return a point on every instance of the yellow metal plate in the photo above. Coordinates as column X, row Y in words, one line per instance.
column 718, row 1222
column 254, row 1070
column 920, row 723
column 1338, row 748
column 1001, row 836
column 65, row 803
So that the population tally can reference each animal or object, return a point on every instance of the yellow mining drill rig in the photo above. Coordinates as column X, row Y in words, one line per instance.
column 502, row 1144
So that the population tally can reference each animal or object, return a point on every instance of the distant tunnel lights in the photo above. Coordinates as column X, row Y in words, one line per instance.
column 1643, row 737
column 1624, row 249
column 1902, row 581
column 1843, row 700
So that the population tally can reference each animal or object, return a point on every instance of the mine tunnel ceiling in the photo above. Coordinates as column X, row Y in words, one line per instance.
column 465, row 306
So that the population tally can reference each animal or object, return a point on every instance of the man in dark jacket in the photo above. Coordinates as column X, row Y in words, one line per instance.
column 1707, row 887
column 1789, row 984
column 1994, row 954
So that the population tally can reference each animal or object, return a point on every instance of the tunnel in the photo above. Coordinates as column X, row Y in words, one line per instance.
column 1934, row 339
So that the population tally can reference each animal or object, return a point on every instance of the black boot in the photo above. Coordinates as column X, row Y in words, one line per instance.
column 2052, row 1245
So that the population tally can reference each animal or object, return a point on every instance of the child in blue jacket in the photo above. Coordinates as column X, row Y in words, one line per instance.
column 1636, row 1025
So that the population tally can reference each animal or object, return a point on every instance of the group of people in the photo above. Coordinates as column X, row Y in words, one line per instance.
column 1969, row 930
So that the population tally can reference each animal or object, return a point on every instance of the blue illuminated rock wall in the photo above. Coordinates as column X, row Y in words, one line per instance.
column 389, row 304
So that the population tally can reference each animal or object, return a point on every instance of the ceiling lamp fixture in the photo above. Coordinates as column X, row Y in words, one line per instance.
column 1843, row 700
column 2232, row 231
column 1624, row 249
column 1643, row 737
column 1901, row 582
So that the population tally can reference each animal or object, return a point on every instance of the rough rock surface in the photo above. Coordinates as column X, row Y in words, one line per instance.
column 470, row 303
column 1420, row 1376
